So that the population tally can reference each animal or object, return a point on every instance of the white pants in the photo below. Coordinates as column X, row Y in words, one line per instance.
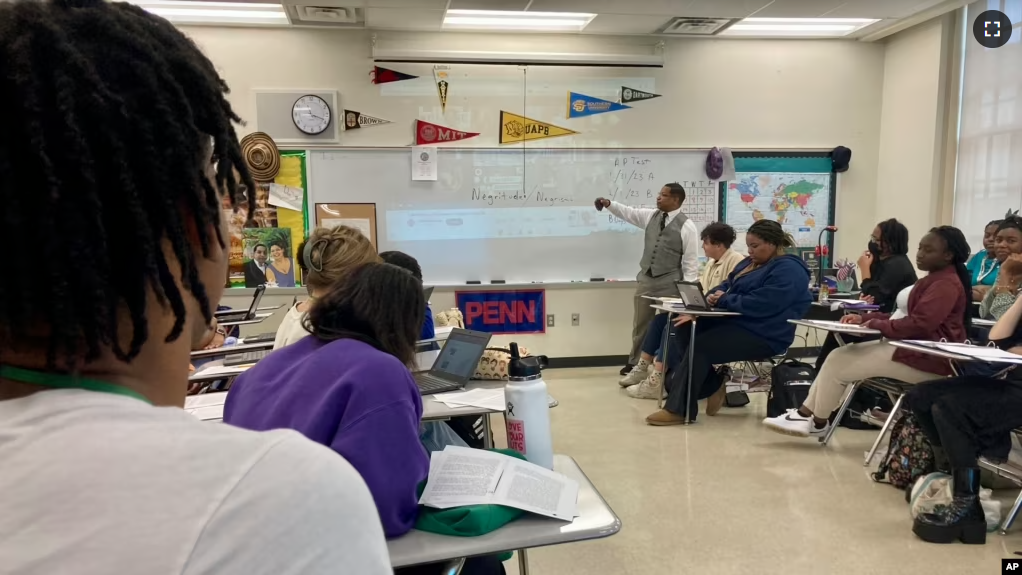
column 855, row 362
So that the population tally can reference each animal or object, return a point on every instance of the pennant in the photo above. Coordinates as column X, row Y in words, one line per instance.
column 440, row 74
column 354, row 120
column 580, row 105
column 384, row 75
column 633, row 95
column 515, row 128
column 427, row 134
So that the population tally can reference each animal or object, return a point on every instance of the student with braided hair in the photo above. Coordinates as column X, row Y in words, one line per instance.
column 938, row 308
column 117, row 148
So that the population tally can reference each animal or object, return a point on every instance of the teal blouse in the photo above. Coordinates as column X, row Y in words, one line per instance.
column 983, row 269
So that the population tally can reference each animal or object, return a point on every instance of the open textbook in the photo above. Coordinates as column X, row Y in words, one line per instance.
column 461, row 476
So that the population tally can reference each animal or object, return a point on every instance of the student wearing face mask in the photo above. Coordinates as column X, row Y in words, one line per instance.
column 884, row 271
column 984, row 265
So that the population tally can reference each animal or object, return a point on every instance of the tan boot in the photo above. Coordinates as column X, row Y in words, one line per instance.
column 716, row 401
column 664, row 417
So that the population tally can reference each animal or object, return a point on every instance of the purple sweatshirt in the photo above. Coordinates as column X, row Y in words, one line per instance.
column 351, row 397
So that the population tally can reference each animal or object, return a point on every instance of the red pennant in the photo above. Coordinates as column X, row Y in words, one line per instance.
column 427, row 134
column 384, row 75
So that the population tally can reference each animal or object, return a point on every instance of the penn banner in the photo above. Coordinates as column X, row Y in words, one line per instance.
column 580, row 105
column 428, row 134
column 442, row 76
column 385, row 75
column 633, row 95
column 516, row 311
column 354, row 120
column 515, row 128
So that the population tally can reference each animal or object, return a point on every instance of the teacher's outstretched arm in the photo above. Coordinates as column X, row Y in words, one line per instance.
column 638, row 217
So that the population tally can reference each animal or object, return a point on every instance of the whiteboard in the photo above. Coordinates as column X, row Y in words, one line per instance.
column 518, row 215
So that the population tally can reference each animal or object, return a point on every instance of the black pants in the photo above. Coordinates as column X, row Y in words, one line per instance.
column 830, row 344
column 486, row 565
column 717, row 341
column 968, row 416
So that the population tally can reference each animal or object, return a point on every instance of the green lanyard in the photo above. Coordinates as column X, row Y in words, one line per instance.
column 65, row 381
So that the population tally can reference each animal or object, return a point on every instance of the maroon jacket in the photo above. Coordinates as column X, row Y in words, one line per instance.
column 936, row 310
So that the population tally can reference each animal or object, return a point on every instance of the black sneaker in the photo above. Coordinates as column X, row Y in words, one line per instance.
column 626, row 369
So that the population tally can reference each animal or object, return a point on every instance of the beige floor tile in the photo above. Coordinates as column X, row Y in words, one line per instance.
column 726, row 496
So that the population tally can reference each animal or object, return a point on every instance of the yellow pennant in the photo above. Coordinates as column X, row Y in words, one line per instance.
column 515, row 128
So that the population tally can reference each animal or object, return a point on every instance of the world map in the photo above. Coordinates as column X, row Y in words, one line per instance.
column 799, row 202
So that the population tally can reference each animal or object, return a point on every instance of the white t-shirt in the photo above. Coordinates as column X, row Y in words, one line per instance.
column 901, row 303
column 95, row 483
column 290, row 329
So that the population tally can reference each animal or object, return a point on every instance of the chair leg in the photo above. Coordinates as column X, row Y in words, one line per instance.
column 840, row 413
column 1010, row 517
column 883, row 430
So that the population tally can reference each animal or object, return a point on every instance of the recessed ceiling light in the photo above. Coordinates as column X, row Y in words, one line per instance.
column 197, row 12
column 516, row 21
column 798, row 27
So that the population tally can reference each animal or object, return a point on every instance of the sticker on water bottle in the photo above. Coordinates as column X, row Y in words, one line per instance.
column 516, row 435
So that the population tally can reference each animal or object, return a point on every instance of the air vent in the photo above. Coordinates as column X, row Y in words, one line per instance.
column 695, row 26
column 326, row 16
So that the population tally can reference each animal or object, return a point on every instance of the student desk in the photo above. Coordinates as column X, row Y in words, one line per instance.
column 595, row 520
column 433, row 410
column 665, row 341
column 837, row 330
column 983, row 322
column 203, row 374
column 232, row 349
column 258, row 319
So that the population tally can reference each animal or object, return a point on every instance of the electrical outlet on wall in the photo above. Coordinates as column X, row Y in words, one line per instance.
column 574, row 320
column 550, row 320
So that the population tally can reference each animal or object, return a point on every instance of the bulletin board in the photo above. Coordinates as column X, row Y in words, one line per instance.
column 359, row 216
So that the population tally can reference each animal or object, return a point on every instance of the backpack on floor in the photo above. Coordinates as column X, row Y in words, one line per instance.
column 909, row 455
column 790, row 381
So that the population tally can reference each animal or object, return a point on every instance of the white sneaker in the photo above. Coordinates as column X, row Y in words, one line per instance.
column 648, row 389
column 637, row 374
column 791, row 423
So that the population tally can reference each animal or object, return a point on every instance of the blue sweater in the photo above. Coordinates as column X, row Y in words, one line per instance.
column 767, row 298
column 428, row 331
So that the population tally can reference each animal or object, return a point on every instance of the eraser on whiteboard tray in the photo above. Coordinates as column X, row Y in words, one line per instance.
column 597, row 279
column 473, row 282
column 497, row 282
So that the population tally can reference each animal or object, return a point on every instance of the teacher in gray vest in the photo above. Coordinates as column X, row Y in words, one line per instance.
column 670, row 253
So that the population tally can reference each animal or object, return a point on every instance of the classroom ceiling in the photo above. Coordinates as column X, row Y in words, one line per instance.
column 626, row 17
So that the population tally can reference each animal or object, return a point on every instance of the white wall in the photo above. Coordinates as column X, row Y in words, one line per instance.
column 912, row 133
column 737, row 93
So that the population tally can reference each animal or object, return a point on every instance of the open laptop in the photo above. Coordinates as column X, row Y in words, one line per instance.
column 244, row 315
column 691, row 294
column 456, row 363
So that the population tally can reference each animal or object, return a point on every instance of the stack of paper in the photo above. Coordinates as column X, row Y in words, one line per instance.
column 461, row 476
column 977, row 352
column 485, row 398
column 206, row 406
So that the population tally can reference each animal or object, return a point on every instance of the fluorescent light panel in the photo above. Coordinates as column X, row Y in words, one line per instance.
column 186, row 12
column 798, row 27
column 516, row 21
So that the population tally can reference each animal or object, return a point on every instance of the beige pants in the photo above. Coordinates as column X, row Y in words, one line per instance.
column 855, row 362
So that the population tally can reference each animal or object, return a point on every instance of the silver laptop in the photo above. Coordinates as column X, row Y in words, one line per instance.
column 691, row 294
column 456, row 363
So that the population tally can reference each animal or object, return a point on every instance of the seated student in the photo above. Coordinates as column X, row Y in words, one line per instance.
column 403, row 260
column 717, row 239
column 102, row 471
column 965, row 417
column 885, row 271
column 938, row 307
column 348, row 387
column 768, row 288
column 984, row 265
column 1007, row 246
column 335, row 252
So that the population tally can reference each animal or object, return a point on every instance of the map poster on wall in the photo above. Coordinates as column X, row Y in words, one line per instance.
column 800, row 202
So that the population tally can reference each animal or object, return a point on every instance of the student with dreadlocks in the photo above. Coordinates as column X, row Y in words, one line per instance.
column 116, row 148
column 885, row 271
column 938, row 308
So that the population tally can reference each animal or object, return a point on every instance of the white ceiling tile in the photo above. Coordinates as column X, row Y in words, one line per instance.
column 634, row 8
column 624, row 24
column 404, row 19
column 881, row 8
column 723, row 8
column 799, row 8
